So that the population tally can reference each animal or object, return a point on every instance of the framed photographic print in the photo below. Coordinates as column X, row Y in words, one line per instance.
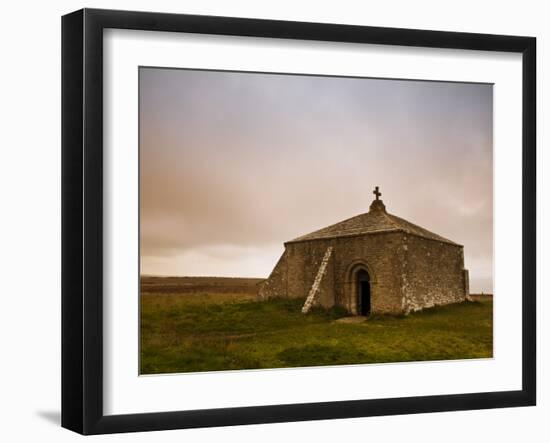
column 269, row 221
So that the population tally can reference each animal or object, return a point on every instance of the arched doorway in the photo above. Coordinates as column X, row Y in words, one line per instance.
column 363, row 288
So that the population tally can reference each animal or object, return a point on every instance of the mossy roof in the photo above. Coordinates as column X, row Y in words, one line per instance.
column 375, row 221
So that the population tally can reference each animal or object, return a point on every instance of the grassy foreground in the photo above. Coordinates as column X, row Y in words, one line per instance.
column 194, row 324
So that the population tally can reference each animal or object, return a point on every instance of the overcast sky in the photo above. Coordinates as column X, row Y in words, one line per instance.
column 234, row 164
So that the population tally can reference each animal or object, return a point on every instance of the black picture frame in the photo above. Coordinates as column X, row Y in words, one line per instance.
column 82, row 219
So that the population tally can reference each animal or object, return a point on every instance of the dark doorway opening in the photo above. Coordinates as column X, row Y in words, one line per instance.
column 363, row 296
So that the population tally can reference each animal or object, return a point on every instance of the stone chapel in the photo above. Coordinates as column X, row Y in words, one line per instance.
column 374, row 262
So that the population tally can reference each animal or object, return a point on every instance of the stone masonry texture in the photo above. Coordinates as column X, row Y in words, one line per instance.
column 409, row 267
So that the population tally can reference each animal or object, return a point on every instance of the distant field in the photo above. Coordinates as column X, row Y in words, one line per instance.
column 198, row 285
column 191, row 324
column 482, row 297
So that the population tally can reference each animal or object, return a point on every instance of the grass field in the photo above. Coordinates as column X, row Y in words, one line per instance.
column 192, row 324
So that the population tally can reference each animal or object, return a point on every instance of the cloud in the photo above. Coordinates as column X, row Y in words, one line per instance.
column 241, row 162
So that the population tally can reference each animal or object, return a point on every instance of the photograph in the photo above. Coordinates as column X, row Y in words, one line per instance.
column 292, row 220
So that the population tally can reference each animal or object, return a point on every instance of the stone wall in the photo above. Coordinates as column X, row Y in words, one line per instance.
column 379, row 254
column 432, row 273
column 275, row 285
column 321, row 292
column 407, row 272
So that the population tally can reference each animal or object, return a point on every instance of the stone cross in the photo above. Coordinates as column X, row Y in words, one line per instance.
column 376, row 192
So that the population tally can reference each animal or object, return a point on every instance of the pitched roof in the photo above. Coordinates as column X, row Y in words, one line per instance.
column 375, row 221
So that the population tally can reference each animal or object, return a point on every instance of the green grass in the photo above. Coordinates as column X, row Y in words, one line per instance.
column 209, row 331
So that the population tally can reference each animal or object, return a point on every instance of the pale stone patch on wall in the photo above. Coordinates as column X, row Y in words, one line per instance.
column 313, row 296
